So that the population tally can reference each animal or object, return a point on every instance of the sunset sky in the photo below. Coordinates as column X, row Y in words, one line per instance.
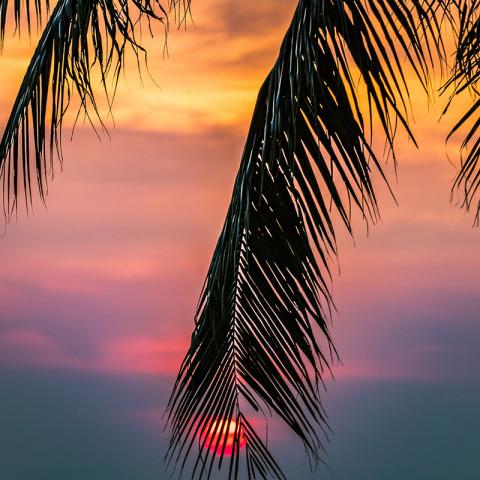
column 99, row 289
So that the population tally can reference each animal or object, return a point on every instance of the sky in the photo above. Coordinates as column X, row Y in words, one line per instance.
column 98, row 290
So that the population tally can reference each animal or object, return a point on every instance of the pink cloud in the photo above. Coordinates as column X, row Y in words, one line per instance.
column 124, row 356
column 143, row 356
column 29, row 347
column 153, row 356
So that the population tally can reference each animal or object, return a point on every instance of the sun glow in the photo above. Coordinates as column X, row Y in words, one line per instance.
column 222, row 437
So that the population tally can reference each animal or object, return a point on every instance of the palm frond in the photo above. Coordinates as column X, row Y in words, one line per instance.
column 266, row 298
column 22, row 11
column 80, row 36
column 466, row 77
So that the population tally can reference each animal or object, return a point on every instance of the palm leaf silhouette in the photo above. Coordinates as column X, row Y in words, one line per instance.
column 465, row 77
column 266, row 297
column 22, row 10
column 79, row 37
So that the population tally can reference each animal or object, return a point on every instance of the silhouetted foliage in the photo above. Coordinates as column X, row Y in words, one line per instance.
column 261, row 341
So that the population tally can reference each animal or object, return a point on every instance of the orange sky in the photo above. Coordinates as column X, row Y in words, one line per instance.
column 209, row 79
column 210, row 76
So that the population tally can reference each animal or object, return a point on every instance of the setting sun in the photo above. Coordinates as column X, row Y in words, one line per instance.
column 221, row 436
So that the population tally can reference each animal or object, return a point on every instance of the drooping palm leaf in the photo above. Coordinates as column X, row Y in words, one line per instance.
column 22, row 11
column 466, row 77
column 81, row 36
column 266, row 299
